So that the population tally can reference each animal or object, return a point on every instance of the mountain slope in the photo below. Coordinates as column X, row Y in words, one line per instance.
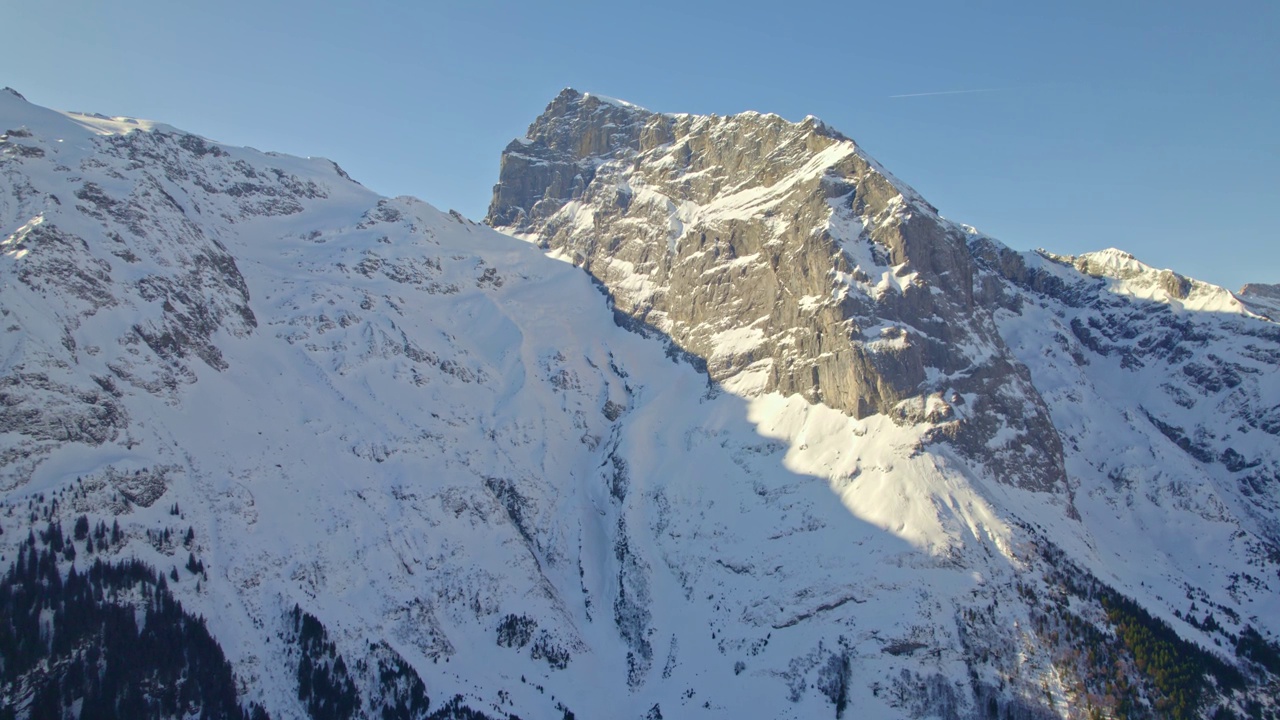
column 386, row 447
column 763, row 245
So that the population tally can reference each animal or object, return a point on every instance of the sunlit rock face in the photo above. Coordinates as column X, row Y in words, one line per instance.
column 789, row 261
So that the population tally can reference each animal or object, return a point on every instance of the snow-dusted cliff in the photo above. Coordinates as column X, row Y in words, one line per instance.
column 548, row 495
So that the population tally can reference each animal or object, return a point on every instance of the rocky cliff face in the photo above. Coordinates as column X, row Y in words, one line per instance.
column 1260, row 290
column 789, row 261
column 1262, row 298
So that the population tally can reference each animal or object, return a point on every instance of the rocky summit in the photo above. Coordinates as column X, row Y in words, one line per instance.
column 790, row 262
column 718, row 419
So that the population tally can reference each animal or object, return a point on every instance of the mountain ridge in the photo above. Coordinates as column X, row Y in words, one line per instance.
column 451, row 452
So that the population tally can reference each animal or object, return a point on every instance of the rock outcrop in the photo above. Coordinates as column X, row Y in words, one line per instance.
column 1262, row 298
column 788, row 260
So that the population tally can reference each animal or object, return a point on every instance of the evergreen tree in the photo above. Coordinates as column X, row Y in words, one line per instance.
column 77, row 639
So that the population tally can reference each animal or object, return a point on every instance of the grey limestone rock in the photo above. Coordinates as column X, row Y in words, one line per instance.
column 1261, row 290
column 1262, row 298
column 786, row 259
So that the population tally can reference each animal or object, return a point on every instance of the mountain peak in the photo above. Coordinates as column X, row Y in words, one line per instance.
column 570, row 102
column 1261, row 290
column 1134, row 277
column 1262, row 298
column 616, row 102
column 808, row 247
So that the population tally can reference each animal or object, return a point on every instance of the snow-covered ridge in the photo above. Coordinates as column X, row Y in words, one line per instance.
column 1131, row 276
column 614, row 101
column 63, row 126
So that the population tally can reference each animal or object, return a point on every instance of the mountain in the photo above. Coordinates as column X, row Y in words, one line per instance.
column 1262, row 298
column 793, row 445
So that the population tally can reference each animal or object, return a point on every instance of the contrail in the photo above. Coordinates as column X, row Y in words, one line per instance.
column 946, row 92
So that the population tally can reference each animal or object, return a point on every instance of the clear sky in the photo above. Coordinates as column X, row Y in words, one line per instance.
column 1149, row 126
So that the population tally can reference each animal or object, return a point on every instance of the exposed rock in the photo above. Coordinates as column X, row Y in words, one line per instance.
column 1261, row 290
column 787, row 260
column 1262, row 298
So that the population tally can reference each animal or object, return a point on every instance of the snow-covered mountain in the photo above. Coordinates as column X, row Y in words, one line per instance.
column 793, row 446
column 1262, row 298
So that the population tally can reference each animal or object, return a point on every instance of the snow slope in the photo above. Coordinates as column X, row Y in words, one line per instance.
column 422, row 432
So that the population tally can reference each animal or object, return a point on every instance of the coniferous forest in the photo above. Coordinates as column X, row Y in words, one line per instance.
column 105, row 642
column 111, row 642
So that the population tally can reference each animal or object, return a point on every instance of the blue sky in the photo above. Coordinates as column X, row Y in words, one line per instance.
column 1149, row 126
